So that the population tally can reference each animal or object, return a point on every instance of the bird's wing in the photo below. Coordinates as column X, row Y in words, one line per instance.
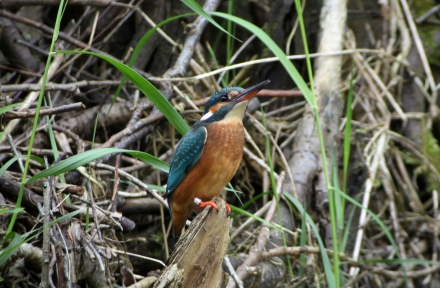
column 187, row 153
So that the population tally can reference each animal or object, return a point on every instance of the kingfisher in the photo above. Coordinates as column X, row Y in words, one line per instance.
column 207, row 157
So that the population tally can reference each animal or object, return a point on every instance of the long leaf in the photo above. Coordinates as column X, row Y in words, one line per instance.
column 9, row 107
column 375, row 217
column 141, row 44
column 91, row 155
column 199, row 10
column 15, row 210
column 146, row 87
column 65, row 217
column 12, row 160
column 291, row 70
column 326, row 261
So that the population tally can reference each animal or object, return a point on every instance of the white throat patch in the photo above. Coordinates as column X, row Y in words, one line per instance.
column 206, row 116
column 236, row 113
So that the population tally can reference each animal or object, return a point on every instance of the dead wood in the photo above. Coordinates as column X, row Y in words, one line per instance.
column 197, row 258
column 19, row 55
column 17, row 3
column 43, row 111
column 118, row 114
column 306, row 164
column 11, row 187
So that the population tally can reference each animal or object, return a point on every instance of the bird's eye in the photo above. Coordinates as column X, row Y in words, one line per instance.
column 224, row 98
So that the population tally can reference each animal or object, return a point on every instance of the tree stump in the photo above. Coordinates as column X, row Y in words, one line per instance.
column 197, row 258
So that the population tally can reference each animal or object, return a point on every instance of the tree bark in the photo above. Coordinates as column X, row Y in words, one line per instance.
column 197, row 258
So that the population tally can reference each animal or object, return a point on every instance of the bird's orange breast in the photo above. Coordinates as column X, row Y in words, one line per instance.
column 220, row 159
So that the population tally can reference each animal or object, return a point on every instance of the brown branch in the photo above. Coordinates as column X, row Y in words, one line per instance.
column 61, row 35
column 11, row 187
column 280, row 93
column 46, row 29
column 35, row 151
column 44, row 112
column 19, row 56
column 297, row 251
column 55, row 86
column 47, row 191
column 17, row 3
column 134, row 128
column 194, row 34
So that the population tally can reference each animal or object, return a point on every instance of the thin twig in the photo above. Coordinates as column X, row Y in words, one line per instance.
column 44, row 112
column 233, row 273
column 50, row 86
column 257, row 249
column 135, row 181
column 47, row 189
column 20, row 160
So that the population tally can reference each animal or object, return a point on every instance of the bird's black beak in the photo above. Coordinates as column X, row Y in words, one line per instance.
column 250, row 92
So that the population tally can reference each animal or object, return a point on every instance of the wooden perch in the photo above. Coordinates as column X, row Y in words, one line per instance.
column 197, row 258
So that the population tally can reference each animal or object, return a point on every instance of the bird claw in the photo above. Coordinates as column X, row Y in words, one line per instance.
column 200, row 204
column 228, row 210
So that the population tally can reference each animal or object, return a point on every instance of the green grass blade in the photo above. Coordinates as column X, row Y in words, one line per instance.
column 54, row 147
column 91, row 155
column 259, row 219
column 337, row 199
column 8, row 251
column 302, row 242
column 148, row 35
column 375, row 217
column 6, row 109
column 65, row 217
column 274, row 188
column 17, row 240
column 141, row 44
column 7, row 210
column 149, row 159
column 9, row 107
column 229, row 42
column 37, row 113
column 347, row 133
column 344, row 240
column 326, row 261
column 249, row 202
column 291, row 70
column 12, row 160
column 146, row 87
column 193, row 5
column 331, row 196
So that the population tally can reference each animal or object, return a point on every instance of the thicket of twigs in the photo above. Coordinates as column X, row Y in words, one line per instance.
column 379, row 58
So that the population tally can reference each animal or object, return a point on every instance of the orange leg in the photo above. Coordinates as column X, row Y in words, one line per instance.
column 201, row 204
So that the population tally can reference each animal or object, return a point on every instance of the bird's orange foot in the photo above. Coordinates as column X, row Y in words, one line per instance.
column 200, row 204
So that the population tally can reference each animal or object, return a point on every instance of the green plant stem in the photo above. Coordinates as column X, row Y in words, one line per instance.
column 61, row 8
column 275, row 192
column 229, row 38
column 323, row 153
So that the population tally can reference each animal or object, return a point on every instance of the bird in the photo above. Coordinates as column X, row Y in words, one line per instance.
column 208, row 155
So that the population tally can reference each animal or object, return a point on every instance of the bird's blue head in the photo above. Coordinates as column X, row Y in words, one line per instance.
column 230, row 102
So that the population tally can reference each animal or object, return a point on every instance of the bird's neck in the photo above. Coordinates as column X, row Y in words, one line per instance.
column 236, row 114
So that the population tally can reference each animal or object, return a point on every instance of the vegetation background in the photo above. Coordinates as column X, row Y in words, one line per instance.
column 340, row 177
